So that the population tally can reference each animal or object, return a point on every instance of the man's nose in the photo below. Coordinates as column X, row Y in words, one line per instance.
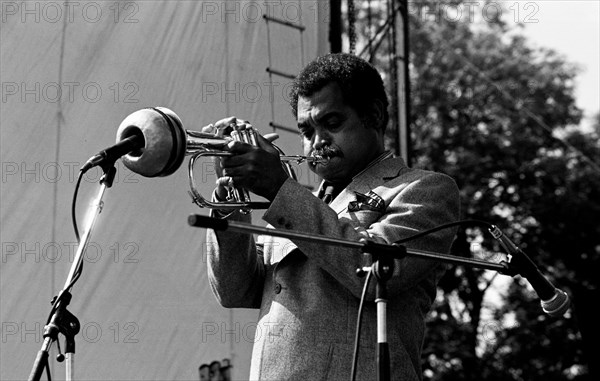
column 321, row 139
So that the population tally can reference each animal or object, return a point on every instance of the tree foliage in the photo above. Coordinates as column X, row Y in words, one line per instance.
column 500, row 117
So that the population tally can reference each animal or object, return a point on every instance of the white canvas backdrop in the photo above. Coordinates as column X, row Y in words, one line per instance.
column 70, row 73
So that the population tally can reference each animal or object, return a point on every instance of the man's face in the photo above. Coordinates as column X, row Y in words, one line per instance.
column 330, row 127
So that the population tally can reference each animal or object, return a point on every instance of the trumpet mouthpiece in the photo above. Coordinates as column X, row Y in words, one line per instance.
column 318, row 159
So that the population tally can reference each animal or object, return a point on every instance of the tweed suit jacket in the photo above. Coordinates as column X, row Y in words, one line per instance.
column 308, row 294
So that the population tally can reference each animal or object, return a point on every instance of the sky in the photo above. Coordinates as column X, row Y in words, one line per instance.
column 571, row 27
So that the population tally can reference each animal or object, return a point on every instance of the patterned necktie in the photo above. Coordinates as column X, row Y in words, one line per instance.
column 328, row 192
column 331, row 190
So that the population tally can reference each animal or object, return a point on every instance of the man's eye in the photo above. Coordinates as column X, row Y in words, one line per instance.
column 334, row 125
column 306, row 132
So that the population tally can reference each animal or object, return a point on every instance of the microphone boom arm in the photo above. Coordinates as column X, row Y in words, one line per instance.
column 393, row 250
column 554, row 301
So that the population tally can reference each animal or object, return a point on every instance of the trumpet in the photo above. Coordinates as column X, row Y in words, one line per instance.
column 167, row 143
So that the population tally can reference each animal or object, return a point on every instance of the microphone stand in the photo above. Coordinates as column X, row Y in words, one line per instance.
column 382, row 268
column 63, row 321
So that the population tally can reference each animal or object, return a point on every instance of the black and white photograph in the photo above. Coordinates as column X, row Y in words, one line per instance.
column 245, row 190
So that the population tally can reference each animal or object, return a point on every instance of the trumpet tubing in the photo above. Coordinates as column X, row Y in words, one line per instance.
column 198, row 142
column 167, row 143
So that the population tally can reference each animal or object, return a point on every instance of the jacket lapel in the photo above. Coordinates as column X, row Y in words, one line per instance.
column 367, row 181
column 278, row 248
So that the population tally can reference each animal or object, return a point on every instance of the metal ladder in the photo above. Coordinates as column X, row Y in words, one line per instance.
column 278, row 72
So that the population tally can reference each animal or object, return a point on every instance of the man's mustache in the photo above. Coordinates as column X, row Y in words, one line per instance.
column 328, row 152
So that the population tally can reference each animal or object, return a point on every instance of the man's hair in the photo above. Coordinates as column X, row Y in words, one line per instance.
column 361, row 84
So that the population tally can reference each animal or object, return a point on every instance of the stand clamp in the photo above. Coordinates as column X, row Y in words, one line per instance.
column 64, row 322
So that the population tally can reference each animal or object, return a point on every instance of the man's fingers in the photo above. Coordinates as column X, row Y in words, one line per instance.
column 225, row 122
column 265, row 144
column 224, row 181
column 238, row 147
column 210, row 129
column 224, row 126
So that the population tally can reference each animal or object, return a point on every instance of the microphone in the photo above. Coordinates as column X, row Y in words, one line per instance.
column 114, row 152
column 165, row 141
column 555, row 302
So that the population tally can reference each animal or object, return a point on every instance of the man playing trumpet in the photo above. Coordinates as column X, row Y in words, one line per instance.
column 308, row 294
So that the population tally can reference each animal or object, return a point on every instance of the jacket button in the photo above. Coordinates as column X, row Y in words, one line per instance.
column 281, row 221
column 277, row 288
column 288, row 226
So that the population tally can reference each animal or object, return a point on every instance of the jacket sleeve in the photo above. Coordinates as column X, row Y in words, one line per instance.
column 235, row 267
column 421, row 203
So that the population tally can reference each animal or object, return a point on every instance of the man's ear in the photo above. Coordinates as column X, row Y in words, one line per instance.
column 377, row 112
